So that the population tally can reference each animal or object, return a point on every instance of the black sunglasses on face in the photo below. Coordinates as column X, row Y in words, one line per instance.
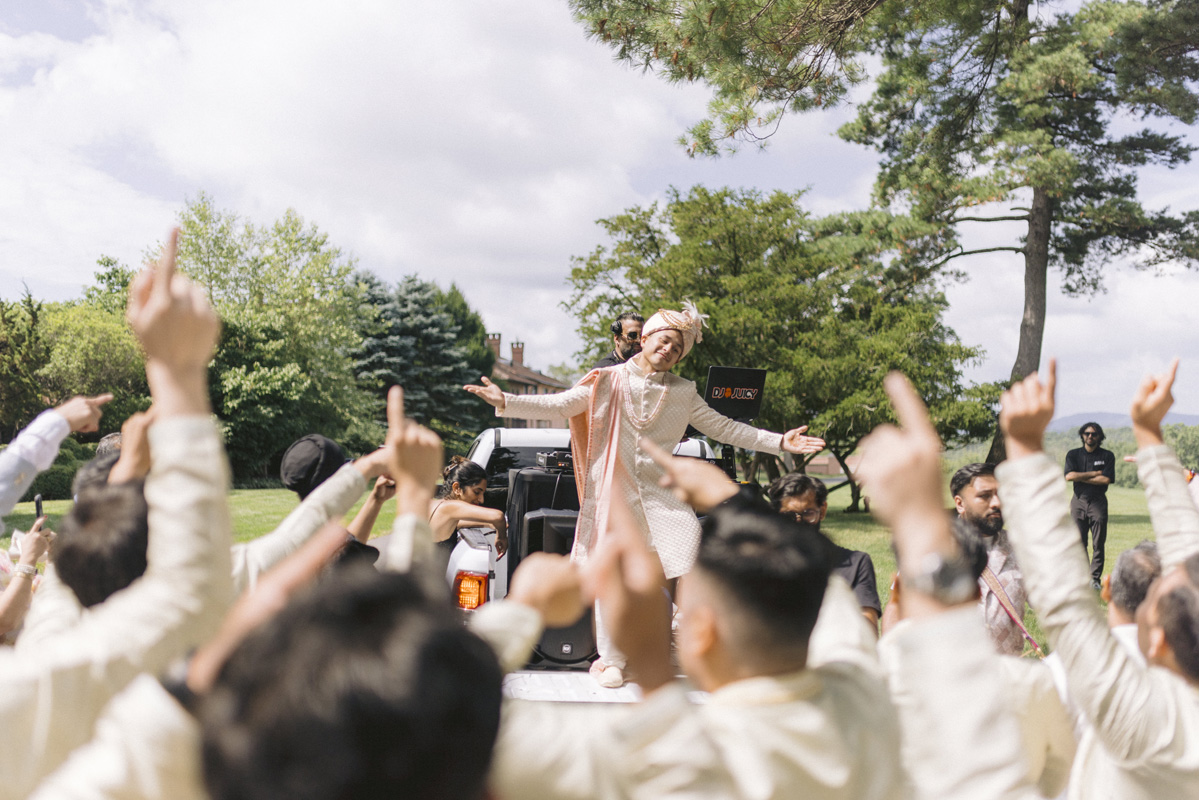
column 812, row 515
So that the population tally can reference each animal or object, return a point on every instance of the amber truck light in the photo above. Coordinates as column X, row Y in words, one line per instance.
column 470, row 589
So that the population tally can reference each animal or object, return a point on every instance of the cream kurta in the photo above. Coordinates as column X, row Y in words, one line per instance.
column 658, row 406
column 1143, row 739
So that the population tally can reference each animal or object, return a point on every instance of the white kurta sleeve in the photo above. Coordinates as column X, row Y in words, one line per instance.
column 1173, row 515
column 51, row 697
column 719, row 427
column 332, row 499
column 561, row 405
column 1132, row 715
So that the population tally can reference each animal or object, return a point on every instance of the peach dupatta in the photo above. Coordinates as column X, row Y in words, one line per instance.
column 595, row 435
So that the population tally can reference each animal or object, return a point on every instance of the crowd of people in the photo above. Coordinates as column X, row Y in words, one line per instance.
column 155, row 657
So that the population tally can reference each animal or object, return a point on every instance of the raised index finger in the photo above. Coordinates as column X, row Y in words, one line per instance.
column 910, row 410
column 395, row 408
column 165, row 271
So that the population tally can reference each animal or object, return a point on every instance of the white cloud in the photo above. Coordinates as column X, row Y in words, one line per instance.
column 474, row 142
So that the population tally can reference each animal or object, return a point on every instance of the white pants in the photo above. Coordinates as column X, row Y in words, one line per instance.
column 608, row 653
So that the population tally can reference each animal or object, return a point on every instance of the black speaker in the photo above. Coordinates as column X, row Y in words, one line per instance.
column 550, row 530
column 570, row 646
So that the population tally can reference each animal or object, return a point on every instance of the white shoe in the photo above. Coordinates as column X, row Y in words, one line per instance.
column 608, row 676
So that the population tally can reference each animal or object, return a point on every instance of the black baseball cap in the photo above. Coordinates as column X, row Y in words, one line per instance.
column 309, row 462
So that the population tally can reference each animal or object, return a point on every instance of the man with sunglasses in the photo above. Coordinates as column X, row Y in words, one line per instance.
column 626, row 338
column 805, row 499
column 1092, row 469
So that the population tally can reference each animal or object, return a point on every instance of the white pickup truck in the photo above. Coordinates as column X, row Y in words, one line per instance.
column 474, row 572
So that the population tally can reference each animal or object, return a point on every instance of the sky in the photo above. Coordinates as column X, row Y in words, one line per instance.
column 473, row 142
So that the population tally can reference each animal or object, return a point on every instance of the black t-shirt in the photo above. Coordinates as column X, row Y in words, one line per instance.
column 857, row 569
column 610, row 360
column 1079, row 460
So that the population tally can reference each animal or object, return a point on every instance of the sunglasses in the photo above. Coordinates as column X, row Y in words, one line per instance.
column 1090, row 433
column 812, row 515
column 632, row 336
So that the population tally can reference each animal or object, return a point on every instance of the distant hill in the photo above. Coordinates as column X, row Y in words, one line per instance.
column 1111, row 421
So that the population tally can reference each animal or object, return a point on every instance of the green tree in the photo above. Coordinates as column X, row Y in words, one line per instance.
column 22, row 353
column 809, row 299
column 91, row 351
column 977, row 103
column 416, row 341
column 291, row 312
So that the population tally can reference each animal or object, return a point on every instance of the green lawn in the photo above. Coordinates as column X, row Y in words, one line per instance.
column 257, row 511
column 1128, row 524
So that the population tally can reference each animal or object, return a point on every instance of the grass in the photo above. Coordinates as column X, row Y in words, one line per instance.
column 1127, row 524
column 257, row 511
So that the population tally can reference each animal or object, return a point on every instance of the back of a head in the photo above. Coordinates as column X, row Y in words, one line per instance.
column 95, row 472
column 364, row 687
column 795, row 484
column 1178, row 614
column 101, row 544
column 109, row 443
column 773, row 569
column 309, row 462
column 1134, row 573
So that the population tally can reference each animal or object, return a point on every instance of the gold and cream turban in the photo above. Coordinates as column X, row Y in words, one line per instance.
column 688, row 322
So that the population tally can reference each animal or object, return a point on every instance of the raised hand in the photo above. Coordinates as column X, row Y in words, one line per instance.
column 36, row 543
column 697, row 483
column 488, row 391
column 901, row 466
column 384, row 489
column 795, row 442
column 83, row 413
column 415, row 457
column 1150, row 404
column 134, row 461
column 171, row 317
column 551, row 586
column 1025, row 411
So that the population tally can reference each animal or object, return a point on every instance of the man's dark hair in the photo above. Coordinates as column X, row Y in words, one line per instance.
column 109, row 443
column 1178, row 614
column 795, row 484
column 966, row 475
column 101, row 544
column 95, row 472
column 1135, row 571
column 364, row 687
column 617, row 326
column 771, row 567
column 1098, row 429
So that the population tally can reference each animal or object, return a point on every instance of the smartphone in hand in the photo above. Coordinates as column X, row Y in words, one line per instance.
column 37, row 504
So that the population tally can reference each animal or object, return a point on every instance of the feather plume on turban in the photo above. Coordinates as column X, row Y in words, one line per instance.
column 689, row 322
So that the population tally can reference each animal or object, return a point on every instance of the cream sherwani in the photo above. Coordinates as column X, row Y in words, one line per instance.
column 658, row 406
column 828, row 731
column 146, row 745
column 56, row 608
column 50, row 699
column 1143, row 739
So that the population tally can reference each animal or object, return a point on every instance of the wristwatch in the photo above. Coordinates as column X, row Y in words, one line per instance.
column 948, row 580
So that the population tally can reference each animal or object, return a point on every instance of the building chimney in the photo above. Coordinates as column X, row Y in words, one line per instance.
column 493, row 341
column 518, row 354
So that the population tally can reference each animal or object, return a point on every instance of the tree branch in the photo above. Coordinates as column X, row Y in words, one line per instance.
column 1014, row 218
column 961, row 253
